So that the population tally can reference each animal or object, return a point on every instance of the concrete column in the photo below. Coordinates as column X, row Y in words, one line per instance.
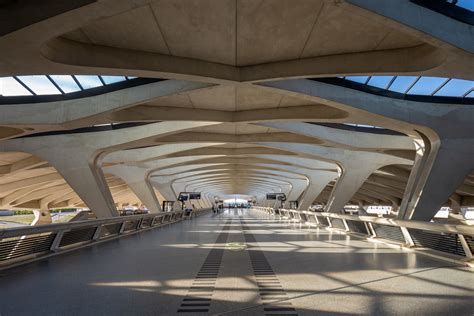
column 137, row 181
column 41, row 217
column 347, row 185
column 447, row 173
column 317, row 183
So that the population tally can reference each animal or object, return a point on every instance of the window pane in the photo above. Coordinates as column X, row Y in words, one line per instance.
column 466, row 4
column 402, row 83
column 360, row 79
column 88, row 82
column 66, row 83
column 470, row 95
column 426, row 85
column 130, row 78
column 456, row 88
column 380, row 81
column 10, row 87
column 39, row 84
column 112, row 79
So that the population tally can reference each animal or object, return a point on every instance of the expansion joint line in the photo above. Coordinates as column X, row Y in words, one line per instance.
column 198, row 298
column 272, row 295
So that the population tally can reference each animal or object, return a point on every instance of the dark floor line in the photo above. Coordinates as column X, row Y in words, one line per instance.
column 198, row 298
column 269, row 287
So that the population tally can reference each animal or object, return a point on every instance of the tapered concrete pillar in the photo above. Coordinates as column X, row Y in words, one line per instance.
column 166, row 191
column 42, row 217
column 317, row 183
column 446, row 173
column 136, row 179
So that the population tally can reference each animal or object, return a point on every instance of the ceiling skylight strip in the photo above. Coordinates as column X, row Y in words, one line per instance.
column 418, row 85
column 37, row 85
column 24, row 85
column 55, row 84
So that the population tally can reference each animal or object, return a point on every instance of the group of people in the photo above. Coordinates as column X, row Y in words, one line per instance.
column 216, row 209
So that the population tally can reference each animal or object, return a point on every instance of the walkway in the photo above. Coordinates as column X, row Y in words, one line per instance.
column 238, row 263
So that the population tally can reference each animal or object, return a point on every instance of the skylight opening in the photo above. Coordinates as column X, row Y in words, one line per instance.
column 380, row 81
column 66, row 83
column 9, row 86
column 402, row 83
column 466, row 4
column 413, row 85
column 113, row 79
column 362, row 125
column 456, row 88
column 53, row 84
column 426, row 85
column 88, row 82
column 40, row 85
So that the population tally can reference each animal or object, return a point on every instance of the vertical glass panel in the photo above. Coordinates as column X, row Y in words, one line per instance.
column 426, row 85
column 10, row 87
column 380, row 81
column 39, row 84
column 88, row 82
column 402, row 83
column 359, row 79
column 455, row 88
column 470, row 95
column 113, row 79
column 66, row 83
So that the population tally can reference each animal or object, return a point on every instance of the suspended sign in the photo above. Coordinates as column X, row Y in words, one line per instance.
column 276, row 196
column 184, row 196
column 195, row 196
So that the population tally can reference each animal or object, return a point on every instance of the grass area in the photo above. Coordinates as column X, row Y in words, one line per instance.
column 28, row 219
column 65, row 218
column 23, row 219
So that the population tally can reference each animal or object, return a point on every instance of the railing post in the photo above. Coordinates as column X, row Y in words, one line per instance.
column 122, row 227
column 57, row 241
column 406, row 234
column 371, row 229
column 316, row 219
column 329, row 222
column 97, row 233
column 345, row 225
column 139, row 225
column 465, row 246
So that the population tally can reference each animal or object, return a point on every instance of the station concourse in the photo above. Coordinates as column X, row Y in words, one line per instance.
column 236, row 157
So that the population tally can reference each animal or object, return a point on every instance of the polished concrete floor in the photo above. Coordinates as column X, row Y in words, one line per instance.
column 241, row 262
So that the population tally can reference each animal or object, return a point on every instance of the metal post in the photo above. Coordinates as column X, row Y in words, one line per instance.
column 406, row 234
column 97, row 233
column 465, row 246
column 57, row 241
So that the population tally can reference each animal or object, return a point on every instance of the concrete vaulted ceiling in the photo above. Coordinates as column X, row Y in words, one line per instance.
column 238, row 112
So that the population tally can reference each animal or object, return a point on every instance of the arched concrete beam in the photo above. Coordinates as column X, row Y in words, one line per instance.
column 87, row 111
column 443, row 133
column 340, row 137
column 77, row 157
column 356, row 167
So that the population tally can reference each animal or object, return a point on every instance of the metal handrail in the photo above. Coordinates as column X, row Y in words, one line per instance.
column 29, row 230
column 464, row 233
column 20, row 245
